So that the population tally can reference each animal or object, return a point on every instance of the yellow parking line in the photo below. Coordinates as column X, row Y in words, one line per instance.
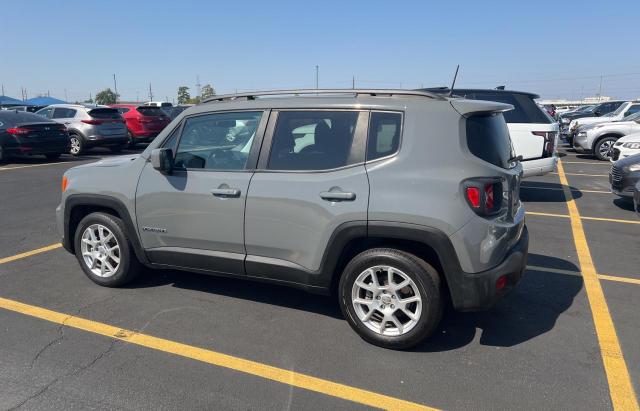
column 585, row 175
column 610, row 220
column 619, row 279
column 561, row 189
column 257, row 369
column 623, row 396
column 29, row 253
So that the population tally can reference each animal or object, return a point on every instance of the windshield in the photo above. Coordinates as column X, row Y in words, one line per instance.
column 618, row 111
column 632, row 117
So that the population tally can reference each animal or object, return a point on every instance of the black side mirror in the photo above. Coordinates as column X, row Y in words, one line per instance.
column 162, row 160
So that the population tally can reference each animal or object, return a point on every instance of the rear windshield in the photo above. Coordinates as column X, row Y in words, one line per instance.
column 150, row 111
column 488, row 139
column 11, row 118
column 109, row 113
column 525, row 108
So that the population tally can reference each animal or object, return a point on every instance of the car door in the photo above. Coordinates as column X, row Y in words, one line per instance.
column 63, row 115
column 194, row 217
column 310, row 180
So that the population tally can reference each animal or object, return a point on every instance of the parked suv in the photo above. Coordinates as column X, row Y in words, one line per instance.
column 601, row 109
column 89, row 126
column 143, row 122
column 398, row 200
column 598, row 139
column 624, row 176
column 534, row 133
column 625, row 109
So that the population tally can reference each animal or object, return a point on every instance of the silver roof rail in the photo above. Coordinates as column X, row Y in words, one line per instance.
column 357, row 92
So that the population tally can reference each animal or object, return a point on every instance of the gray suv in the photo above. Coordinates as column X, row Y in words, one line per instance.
column 89, row 126
column 396, row 200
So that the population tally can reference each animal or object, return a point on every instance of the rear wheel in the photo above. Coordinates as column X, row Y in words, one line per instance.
column 104, row 251
column 53, row 156
column 602, row 148
column 76, row 145
column 391, row 298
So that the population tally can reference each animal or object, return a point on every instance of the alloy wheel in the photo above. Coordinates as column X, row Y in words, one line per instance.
column 100, row 250
column 386, row 300
column 604, row 148
column 75, row 145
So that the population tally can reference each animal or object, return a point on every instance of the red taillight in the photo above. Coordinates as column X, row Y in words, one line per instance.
column 18, row 131
column 484, row 195
column 473, row 195
column 93, row 122
column 501, row 283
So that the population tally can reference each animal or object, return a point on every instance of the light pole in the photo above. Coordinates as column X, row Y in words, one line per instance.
column 115, row 87
column 316, row 76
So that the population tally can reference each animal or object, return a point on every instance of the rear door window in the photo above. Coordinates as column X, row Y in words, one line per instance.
column 384, row 134
column 45, row 112
column 63, row 112
column 312, row 140
column 525, row 108
column 488, row 139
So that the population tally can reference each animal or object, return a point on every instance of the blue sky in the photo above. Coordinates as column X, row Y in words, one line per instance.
column 558, row 49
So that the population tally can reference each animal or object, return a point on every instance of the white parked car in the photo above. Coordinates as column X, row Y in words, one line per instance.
column 534, row 133
column 158, row 104
column 627, row 108
column 625, row 146
column 598, row 139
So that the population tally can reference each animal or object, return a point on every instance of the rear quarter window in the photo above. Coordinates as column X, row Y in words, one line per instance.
column 151, row 111
column 104, row 113
column 384, row 134
column 488, row 139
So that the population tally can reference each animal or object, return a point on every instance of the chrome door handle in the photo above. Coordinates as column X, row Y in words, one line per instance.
column 226, row 192
column 337, row 196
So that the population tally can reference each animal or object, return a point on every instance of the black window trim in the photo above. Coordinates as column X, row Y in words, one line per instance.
column 357, row 152
column 395, row 153
column 252, row 160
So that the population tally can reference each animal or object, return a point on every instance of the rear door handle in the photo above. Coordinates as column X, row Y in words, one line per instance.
column 226, row 192
column 337, row 196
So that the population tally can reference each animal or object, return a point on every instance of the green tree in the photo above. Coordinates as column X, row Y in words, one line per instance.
column 207, row 91
column 106, row 96
column 183, row 95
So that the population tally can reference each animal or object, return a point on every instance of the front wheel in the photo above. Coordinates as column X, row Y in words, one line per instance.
column 76, row 145
column 603, row 148
column 104, row 251
column 391, row 298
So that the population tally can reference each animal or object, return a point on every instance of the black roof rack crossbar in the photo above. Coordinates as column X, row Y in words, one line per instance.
column 294, row 92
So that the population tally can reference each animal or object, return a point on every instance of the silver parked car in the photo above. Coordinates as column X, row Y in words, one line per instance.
column 89, row 126
column 598, row 139
column 341, row 192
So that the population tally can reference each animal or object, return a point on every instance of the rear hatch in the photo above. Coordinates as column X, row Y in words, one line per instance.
column 534, row 133
column 108, row 121
column 40, row 131
column 153, row 118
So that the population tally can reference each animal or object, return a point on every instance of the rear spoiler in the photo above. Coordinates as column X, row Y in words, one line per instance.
column 467, row 108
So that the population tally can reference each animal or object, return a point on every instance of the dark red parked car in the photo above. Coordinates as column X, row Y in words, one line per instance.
column 144, row 123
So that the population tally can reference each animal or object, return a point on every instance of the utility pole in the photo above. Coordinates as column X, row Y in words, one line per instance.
column 3, row 89
column 353, row 82
column 150, row 93
column 115, row 87
column 600, row 90
column 197, row 85
column 316, row 76
column 90, row 98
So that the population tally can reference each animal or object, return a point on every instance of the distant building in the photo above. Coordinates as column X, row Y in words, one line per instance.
column 573, row 103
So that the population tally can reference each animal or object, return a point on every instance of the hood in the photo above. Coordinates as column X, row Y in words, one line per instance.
column 630, row 138
column 111, row 162
column 609, row 124
column 594, row 120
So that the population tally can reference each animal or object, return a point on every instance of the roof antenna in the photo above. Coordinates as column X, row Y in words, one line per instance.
column 455, row 76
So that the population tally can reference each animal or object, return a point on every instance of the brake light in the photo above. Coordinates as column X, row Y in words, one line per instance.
column 18, row 131
column 484, row 195
column 93, row 122
column 549, row 141
column 65, row 181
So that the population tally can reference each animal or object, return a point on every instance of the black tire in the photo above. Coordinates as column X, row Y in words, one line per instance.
column 600, row 146
column 73, row 138
column 129, row 267
column 53, row 156
column 424, row 277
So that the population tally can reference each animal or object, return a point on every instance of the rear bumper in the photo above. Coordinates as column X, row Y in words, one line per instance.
column 106, row 140
column 477, row 292
column 538, row 167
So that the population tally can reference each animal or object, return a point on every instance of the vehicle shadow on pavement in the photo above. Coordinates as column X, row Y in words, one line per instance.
column 242, row 289
column 532, row 309
column 624, row 203
column 539, row 192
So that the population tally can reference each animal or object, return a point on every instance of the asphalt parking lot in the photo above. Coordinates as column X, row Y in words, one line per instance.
column 566, row 338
